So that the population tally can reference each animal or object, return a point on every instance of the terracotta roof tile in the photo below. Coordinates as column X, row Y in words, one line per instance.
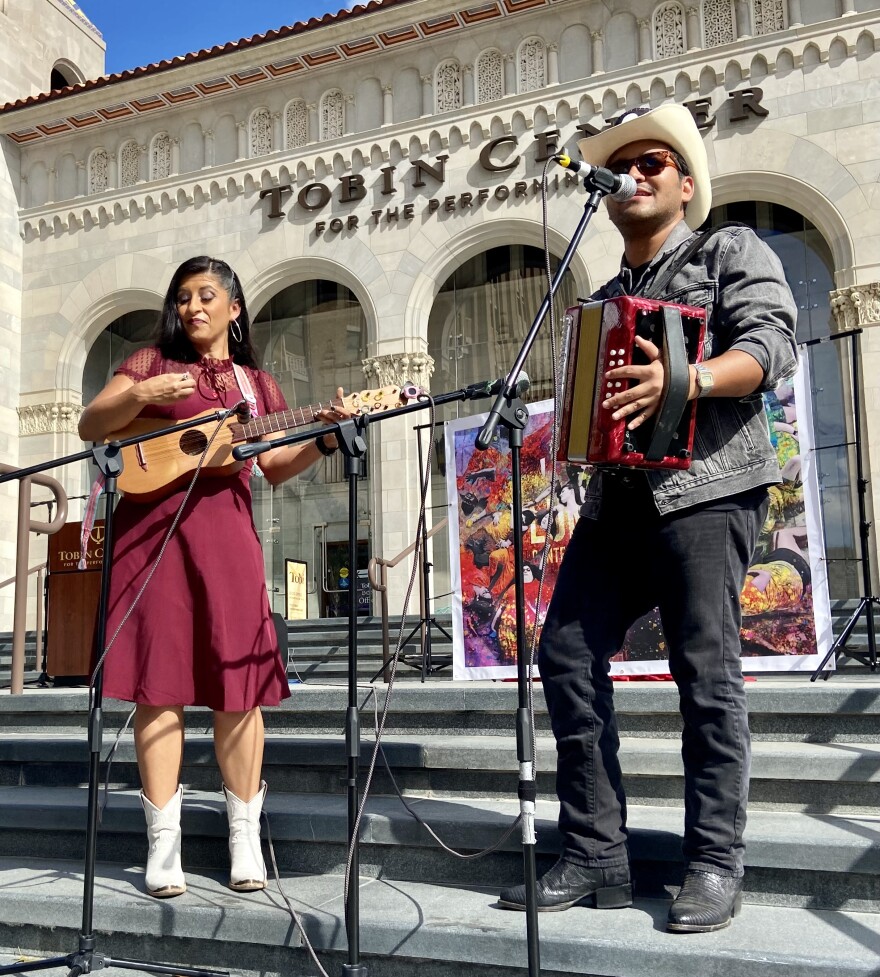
column 300, row 27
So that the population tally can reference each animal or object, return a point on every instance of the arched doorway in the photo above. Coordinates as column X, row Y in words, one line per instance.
column 478, row 321
column 312, row 339
column 809, row 270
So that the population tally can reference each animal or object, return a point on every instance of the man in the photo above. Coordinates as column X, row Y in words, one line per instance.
column 677, row 540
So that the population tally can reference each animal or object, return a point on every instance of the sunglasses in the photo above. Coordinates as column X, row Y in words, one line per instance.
column 648, row 164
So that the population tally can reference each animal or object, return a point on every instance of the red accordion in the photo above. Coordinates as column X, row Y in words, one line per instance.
column 599, row 337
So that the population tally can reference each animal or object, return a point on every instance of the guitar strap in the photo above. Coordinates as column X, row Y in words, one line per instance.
column 247, row 391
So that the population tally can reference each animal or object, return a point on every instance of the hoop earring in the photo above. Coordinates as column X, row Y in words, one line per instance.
column 235, row 330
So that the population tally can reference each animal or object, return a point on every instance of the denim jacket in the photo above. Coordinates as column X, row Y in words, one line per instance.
column 739, row 281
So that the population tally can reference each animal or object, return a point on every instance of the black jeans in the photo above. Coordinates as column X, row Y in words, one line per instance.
column 691, row 565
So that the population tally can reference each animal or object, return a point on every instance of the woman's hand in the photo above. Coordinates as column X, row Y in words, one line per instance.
column 333, row 415
column 639, row 402
column 167, row 388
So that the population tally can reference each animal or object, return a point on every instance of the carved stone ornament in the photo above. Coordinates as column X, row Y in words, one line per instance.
column 857, row 305
column 768, row 16
column 396, row 369
column 669, row 30
column 49, row 419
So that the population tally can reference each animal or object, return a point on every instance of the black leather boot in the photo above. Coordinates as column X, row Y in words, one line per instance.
column 706, row 902
column 568, row 884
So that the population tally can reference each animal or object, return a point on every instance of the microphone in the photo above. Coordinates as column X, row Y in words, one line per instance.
column 489, row 388
column 618, row 186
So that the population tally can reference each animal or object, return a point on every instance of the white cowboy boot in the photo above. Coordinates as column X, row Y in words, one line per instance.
column 248, row 870
column 164, row 876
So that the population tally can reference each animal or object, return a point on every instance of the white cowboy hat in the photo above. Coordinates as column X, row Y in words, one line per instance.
column 670, row 124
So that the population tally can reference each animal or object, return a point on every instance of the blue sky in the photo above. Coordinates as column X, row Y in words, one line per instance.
column 137, row 34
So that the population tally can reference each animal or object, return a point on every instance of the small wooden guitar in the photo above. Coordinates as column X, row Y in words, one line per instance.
column 151, row 469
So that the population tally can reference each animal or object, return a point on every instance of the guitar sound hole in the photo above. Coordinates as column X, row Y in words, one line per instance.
column 193, row 442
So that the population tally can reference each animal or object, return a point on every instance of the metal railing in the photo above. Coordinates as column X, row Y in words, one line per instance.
column 27, row 525
column 377, row 571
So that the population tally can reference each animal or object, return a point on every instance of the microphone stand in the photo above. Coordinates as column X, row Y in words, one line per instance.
column 86, row 957
column 351, row 435
column 509, row 411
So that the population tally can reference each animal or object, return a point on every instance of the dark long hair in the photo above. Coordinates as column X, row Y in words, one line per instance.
column 172, row 338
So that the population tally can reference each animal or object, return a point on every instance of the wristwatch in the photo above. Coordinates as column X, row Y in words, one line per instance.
column 705, row 380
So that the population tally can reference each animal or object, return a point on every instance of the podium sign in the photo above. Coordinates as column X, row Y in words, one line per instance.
column 73, row 600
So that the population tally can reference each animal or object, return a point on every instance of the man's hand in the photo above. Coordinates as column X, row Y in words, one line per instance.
column 639, row 402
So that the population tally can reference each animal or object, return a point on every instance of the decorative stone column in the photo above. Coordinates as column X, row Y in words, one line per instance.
column 396, row 369
column 242, row 139
column 48, row 419
column 598, row 52
column 644, row 40
column 81, row 178
column 394, row 473
column 277, row 132
column 848, row 7
column 348, row 114
column 312, row 108
column 795, row 17
column 743, row 19
column 427, row 95
column 467, row 84
column 387, row 105
column 552, row 64
column 175, row 155
column 510, row 85
column 50, row 185
column 858, row 307
column 209, row 147
column 692, row 41
column 112, row 181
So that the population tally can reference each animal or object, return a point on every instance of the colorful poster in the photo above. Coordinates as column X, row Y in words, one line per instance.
column 786, row 610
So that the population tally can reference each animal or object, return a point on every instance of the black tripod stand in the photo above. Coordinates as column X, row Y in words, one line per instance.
column 425, row 664
column 86, row 957
column 868, row 600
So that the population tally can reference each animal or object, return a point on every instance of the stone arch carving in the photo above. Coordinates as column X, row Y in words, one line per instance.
column 141, row 281
column 531, row 64
column 332, row 114
column 489, row 76
column 669, row 30
column 575, row 55
column 465, row 245
column 270, row 279
column 769, row 16
column 830, row 181
column 719, row 22
column 260, row 137
column 447, row 86
column 621, row 42
column 160, row 156
column 369, row 104
column 129, row 163
column 99, row 170
column 296, row 124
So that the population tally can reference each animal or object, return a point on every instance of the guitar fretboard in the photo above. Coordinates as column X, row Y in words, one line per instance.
column 282, row 420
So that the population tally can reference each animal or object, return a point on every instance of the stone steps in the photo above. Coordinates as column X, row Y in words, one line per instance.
column 408, row 927
column 815, row 861
column 818, row 778
column 812, row 889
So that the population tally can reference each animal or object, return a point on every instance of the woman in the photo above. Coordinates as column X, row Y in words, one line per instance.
column 201, row 632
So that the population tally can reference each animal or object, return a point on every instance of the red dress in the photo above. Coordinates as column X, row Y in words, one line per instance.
column 201, row 633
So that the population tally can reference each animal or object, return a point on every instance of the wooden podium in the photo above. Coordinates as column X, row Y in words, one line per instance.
column 73, row 600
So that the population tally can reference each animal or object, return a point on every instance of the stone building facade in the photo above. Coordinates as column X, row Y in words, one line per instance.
column 374, row 178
